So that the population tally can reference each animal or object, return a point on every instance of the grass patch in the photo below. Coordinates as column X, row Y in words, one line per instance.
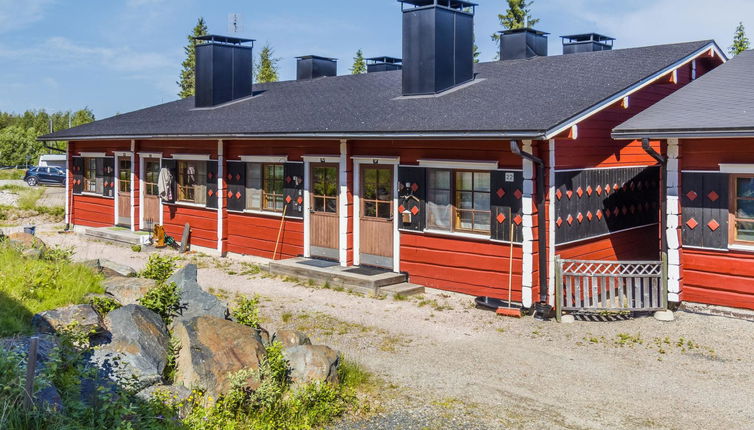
column 32, row 285
column 12, row 174
column 13, row 188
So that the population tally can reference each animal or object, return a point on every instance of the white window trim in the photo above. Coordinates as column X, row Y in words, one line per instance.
column 459, row 164
column 742, row 169
column 189, row 204
column 741, row 247
column 93, row 155
column 275, row 159
column 150, row 154
column 357, row 163
column 314, row 159
column 122, row 153
column 191, row 157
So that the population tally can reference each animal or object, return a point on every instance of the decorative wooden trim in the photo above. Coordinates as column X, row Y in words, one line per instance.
column 744, row 169
column 343, row 204
column 276, row 159
column 321, row 159
column 459, row 164
column 362, row 159
column 150, row 154
column 191, row 157
column 93, row 155
column 220, row 194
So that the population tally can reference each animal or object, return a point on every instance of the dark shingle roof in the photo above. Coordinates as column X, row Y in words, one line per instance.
column 523, row 98
column 720, row 102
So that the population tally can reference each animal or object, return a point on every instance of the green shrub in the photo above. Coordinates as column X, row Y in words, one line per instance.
column 103, row 305
column 58, row 254
column 174, row 347
column 246, row 311
column 136, row 248
column 159, row 267
column 164, row 300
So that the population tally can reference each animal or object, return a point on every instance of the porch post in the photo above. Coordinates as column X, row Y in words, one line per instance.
column 672, row 229
column 551, row 225
column 343, row 204
column 133, row 185
column 221, row 199
column 527, row 266
column 68, row 199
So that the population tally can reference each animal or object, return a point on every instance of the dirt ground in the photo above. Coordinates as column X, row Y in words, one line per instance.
column 443, row 364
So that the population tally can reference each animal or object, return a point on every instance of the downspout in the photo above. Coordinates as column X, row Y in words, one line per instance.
column 541, row 221
column 663, row 193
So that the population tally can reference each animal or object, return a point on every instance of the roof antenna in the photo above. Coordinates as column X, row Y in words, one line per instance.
column 234, row 23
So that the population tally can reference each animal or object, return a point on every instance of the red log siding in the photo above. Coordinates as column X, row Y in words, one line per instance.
column 411, row 151
column 252, row 234
column 466, row 266
column 170, row 147
column 724, row 278
column 718, row 277
column 625, row 245
column 294, row 149
column 203, row 224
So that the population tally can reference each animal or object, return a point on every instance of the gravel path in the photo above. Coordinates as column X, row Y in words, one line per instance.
column 445, row 365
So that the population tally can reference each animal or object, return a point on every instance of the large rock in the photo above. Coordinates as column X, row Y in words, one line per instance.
column 213, row 348
column 194, row 300
column 118, row 269
column 291, row 338
column 172, row 395
column 26, row 241
column 83, row 316
column 312, row 363
column 128, row 290
column 137, row 353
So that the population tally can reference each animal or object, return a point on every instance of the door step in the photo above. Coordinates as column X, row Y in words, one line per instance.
column 116, row 234
column 356, row 279
column 404, row 289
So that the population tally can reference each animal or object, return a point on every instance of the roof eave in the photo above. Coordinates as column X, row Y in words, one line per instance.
column 683, row 134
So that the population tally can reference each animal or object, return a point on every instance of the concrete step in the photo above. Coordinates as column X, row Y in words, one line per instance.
column 404, row 289
column 357, row 279
column 117, row 235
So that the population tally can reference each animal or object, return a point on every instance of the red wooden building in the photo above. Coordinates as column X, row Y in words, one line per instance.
column 707, row 134
column 425, row 170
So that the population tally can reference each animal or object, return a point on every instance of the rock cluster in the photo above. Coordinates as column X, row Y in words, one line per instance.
column 135, row 344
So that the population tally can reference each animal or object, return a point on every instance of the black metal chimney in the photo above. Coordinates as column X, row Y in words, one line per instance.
column 438, row 45
column 223, row 70
column 312, row 67
column 522, row 43
column 588, row 42
column 383, row 64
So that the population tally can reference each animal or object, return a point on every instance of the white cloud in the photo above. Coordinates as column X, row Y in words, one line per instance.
column 639, row 23
column 15, row 14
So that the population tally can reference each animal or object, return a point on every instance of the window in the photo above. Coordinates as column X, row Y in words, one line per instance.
column 191, row 181
column 91, row 184
column 743, row 209
column 325, row 189
column 124, row 176
column 264, row 187
column 377, row 197
column 151, row 177
column 458, row 200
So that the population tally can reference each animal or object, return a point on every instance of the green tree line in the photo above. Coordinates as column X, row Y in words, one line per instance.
column 19, row 132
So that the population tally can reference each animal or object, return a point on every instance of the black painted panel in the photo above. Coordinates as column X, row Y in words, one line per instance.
column 211, row 183
column 412, row 194
column 594, row 202
column 294, row 189
column 236, row 180
column 108, row 176
column 704, row 209
column 78, row 175
column 506, row 192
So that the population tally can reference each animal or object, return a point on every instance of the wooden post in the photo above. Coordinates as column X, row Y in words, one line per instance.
column 31, row 365
column 664, row 280
column 558, row 290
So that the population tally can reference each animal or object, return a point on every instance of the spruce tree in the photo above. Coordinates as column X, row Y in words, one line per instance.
column 187, row 80
column 359, row 64
column 267, row 67
column 740, row 41
column 517, row 16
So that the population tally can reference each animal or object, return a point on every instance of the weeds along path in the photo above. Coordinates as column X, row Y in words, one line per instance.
column 437, row 352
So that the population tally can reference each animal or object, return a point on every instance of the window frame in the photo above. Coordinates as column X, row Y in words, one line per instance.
column 733, row 209
column 265, row 181
column 455, row 221
column 200, row 181
column 259, row 188
column 90, row 184
column 378, row 203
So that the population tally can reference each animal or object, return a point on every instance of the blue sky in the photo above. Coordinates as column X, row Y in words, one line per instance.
column 121, row 55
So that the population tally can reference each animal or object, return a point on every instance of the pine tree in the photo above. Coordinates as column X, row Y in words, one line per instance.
column 267, row 68
column 517, row 16
column 740, row 41
column 359, row 64
column 188, row 79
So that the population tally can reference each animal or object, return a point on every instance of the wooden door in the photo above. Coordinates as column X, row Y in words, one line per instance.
column 323, row 217
column 124, row 192
column 376, row 217
column 151, row 197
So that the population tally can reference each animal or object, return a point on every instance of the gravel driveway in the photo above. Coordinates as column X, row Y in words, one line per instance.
column 445, row 365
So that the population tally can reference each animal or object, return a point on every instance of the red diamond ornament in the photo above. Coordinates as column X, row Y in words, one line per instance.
column 500, row 218
column 580, row 192
column 414, row 187
column 288, row 199
column 589, row 190
column 288, row 179
column 238, row 195
column 500, row 193
column 517, row 219
column 589, row 215
column 300, row 200
column 415, row 210
column 401, row 208
column 230, row 194
column 580, row 217
column 559, row 222
column 713, row 196
column 569, row 220
column 599, row 214
column 599, row 190
column 210, row 192
column 518, row 194
column 558, row 194
column 713, row 225
column 692, row 223
column 691, row 195
column 569, row 193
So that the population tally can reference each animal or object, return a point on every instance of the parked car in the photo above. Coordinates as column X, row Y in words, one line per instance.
column 45, row 175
